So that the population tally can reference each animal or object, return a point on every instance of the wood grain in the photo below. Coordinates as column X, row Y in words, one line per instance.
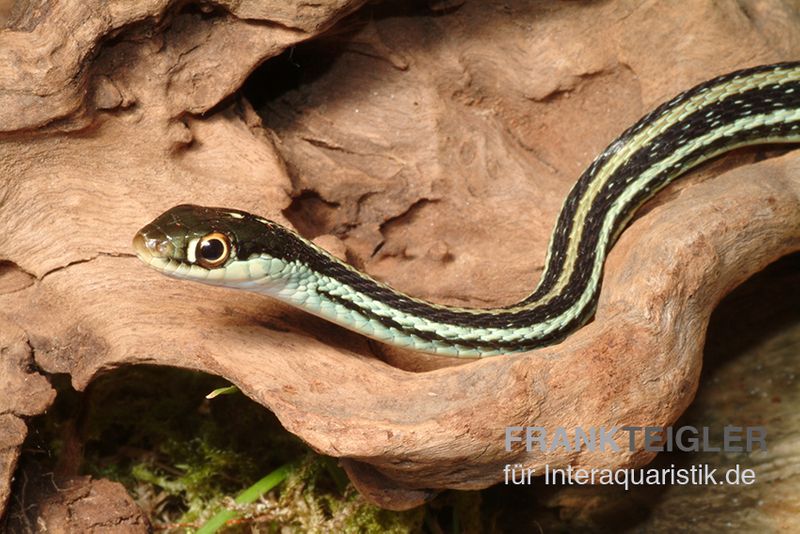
column 434, row 150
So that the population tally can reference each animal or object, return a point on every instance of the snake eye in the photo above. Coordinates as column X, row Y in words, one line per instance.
column 213, row 250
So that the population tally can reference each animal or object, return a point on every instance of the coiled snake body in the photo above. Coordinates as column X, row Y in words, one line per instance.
column 232, row 248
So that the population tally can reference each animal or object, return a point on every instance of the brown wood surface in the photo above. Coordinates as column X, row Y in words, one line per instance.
column 433, row 150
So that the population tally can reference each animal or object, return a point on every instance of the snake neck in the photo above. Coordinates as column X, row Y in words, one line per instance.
column 752, row 106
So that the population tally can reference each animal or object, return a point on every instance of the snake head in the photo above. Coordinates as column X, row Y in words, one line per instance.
column 212, row 245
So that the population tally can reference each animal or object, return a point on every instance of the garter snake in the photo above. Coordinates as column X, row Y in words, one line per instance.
column 232, row 248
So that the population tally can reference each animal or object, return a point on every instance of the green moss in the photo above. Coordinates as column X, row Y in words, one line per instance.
column 199, row 476
column 184, row 458
column 316, row 504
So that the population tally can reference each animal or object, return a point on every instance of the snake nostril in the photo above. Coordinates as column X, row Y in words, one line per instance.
column 162, row 248
column 149, row 247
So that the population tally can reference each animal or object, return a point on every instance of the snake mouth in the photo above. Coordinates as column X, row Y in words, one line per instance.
column 141, row 248
column 149, row 249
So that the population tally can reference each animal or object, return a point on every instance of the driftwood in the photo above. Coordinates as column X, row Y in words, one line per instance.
column 432, row 151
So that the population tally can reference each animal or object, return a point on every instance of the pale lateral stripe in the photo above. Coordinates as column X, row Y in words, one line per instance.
column 617, row 208
column 336, row 312
column 297, row 284
column 641, row 139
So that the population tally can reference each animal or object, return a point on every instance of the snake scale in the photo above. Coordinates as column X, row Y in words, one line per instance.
column 232, row 248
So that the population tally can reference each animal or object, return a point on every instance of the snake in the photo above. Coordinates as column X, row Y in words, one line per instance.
column 236, row 249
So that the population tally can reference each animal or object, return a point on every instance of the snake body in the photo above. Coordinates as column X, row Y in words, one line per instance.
column 236, row 249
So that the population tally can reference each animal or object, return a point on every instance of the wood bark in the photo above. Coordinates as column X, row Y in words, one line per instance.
column 432, row 150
